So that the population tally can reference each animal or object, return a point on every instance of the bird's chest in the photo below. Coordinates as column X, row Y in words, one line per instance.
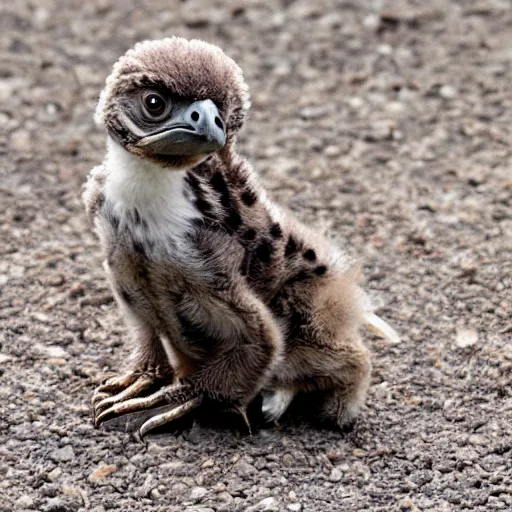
column 175, row 287
column 137, row 250
column 148, row 259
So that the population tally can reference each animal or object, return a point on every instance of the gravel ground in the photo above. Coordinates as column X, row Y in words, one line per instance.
column 386, row 123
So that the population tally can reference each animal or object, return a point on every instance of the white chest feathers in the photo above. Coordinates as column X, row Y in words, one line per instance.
column 146, row 199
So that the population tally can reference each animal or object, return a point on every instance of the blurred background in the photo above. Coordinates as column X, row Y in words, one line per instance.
column 386, row 123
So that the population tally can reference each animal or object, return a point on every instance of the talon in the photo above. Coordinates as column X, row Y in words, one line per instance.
column 137, row 387
column 136, row 404
column 168, row 416
column 243, row 412
column 98, row 397
column 128, row 402
column 118, row 382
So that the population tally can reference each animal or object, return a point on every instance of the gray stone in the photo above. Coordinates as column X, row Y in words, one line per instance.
column 198, row 493
column 336, row 475
column 243, row 468
column 54, row 474
column 265, row 504
column 25, row 501
column 62, row 504
column 64, row 454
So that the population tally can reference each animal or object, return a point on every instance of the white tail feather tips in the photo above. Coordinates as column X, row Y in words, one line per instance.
column 382, row 328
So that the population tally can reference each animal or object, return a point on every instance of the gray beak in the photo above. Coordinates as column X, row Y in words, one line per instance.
column 194, row 129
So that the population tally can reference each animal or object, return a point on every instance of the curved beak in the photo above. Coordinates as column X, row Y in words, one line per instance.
column 194, row 129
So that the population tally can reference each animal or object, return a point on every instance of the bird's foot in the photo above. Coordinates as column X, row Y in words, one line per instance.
column 126, row 386
column 181, row 396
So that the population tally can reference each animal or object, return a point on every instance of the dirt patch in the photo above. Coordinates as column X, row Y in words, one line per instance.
column 387, row 124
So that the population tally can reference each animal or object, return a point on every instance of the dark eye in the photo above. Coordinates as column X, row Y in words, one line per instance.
column 155, row 104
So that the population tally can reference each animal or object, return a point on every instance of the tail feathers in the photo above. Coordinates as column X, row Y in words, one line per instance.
column 382, row 329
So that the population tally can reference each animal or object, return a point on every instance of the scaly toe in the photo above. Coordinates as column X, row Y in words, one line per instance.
column 127, row 402
column 166, row 417
column 98, row 396
column 133, row 405
column 132, row 391
column 119, row 382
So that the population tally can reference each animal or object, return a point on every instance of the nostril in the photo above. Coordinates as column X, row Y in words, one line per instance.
column 218, row 122
column 195, row 116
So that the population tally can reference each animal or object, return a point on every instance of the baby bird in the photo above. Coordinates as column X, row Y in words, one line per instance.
column 225, row 294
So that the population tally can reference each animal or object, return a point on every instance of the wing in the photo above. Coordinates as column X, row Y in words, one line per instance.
column 93, row 195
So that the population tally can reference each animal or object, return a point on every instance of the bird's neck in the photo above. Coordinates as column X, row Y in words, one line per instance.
column 133, row 181
column 156, row 194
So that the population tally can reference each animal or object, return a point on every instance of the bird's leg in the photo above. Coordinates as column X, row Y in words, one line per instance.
column 234, row 374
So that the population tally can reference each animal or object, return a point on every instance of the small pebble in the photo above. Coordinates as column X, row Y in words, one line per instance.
column 64, row 454
column 155, row 494
column 198, row 493
column 54, row 474
column 25, row 501
column 466, row 337
column 336, row 475
column 21, row 141
column 4, row 358
column 102, row 471
column 265, row 504
column 478, row 440
column 447, row 92
column 381, row 130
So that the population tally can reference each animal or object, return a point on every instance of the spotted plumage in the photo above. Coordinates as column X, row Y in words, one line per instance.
column 227, row 295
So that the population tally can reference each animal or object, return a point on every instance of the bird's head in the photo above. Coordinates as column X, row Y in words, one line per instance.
column 174, row 101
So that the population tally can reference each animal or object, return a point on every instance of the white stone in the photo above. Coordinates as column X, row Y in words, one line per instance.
column 54, row 474
column 24, row 501
column 4, row 358
column 265, row 504
column 372, row 21
column 384, row 49
column 336, row 475
column 198, row 493
column 447, row 92
column 50, row 350
column 466, row 337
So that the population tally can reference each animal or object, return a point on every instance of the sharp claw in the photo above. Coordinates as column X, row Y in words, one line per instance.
column 127, row 402
column 137, row 387
column 168, row 416
column 243, row 412
column 98, row 396
column 137, row 404
column 119, row 382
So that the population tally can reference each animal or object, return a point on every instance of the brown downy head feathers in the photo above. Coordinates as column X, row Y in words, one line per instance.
column 189, row 69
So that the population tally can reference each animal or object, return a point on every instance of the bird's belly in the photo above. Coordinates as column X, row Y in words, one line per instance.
column 184, row 303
